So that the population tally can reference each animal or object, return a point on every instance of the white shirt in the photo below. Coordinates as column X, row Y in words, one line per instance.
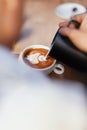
column 31, row 101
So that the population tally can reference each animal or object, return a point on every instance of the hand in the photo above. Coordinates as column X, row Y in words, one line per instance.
column 77, row 36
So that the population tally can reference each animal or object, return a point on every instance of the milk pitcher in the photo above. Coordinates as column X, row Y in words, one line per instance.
column 63, row 50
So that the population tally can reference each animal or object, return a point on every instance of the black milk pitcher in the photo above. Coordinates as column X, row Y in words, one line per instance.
column 62, row 49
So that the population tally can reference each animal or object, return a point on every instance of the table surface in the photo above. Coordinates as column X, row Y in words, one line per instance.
column 40, row 26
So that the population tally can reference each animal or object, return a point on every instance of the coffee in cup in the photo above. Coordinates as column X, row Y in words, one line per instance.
column 35, row 56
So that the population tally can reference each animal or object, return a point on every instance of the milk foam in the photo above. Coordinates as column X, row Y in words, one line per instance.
column 35, row 58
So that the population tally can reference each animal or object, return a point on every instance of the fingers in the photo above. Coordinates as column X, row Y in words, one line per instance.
column 82, row 19
column 66, row 24
column 70, row 24
column 65, row 31
column 63, row 24
column 79, row 18
column 75, row 36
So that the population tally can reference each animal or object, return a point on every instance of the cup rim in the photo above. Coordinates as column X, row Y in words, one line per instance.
column 35, row 46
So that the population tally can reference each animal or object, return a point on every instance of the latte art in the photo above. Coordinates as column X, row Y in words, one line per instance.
column 42, row 58
column 33, row 58
column 37, row 58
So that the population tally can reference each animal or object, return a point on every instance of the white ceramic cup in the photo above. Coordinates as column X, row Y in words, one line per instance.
column 57, row 68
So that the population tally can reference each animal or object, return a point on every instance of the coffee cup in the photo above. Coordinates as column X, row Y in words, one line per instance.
column 33, row 57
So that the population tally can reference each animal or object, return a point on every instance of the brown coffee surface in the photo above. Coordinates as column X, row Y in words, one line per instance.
column 35, row 57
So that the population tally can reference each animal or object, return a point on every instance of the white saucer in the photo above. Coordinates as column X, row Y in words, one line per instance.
column 66, row 10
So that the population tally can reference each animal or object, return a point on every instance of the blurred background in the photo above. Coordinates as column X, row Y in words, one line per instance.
column 62, row 1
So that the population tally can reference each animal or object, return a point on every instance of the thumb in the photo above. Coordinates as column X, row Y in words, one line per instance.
column 78, row 38
column 69, row 32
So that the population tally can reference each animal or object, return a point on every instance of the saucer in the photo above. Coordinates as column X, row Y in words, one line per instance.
column 67, row 10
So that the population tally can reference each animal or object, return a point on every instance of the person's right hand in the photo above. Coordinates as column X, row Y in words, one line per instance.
column 77, row 36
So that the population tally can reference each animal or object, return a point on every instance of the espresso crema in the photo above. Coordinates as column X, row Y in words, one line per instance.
column 36, row 57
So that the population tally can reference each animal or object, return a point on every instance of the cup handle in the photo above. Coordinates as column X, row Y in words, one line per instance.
column 59, row 69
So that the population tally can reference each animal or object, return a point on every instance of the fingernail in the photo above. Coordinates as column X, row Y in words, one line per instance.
column 60, row 30
column 63, row 30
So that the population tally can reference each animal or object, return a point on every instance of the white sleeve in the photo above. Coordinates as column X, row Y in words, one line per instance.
column 30, row 101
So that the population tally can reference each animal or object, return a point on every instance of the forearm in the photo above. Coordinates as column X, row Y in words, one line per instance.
column 11, row 22
column 13, row 17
